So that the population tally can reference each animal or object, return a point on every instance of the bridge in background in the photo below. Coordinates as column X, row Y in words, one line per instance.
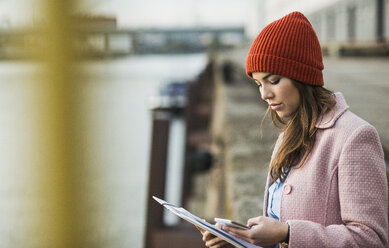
column 123, row 41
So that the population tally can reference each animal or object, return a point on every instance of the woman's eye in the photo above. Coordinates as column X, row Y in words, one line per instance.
column 275, row 81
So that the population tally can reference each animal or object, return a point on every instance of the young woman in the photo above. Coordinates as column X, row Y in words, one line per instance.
column 327, row 183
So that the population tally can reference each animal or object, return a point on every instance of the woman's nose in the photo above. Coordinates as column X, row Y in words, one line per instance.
column 266, row 92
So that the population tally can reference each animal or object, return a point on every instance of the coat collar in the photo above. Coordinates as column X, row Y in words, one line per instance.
column 328, row 119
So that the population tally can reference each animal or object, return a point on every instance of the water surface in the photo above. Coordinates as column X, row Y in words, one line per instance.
column 115, row 144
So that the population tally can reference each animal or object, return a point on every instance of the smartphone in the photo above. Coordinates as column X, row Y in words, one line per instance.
column 231, row 223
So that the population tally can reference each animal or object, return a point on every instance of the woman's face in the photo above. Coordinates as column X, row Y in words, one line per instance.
column 279, row 92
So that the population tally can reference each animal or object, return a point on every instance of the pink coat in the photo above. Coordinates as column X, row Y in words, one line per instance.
column 339, row 198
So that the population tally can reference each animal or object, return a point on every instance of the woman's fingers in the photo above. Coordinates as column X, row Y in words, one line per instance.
column 239, row 233
column 200, row 229
column 211, row 240
column 254, row 221
column 222, row 245
column 263, row 231
column 216, row 242
column 208, row 236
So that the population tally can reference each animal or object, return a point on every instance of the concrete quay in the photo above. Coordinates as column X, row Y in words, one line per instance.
column 365, row 85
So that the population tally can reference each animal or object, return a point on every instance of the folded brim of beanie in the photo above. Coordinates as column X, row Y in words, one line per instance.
column 284, row 67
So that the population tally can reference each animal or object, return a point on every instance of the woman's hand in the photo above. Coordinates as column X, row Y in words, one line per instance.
column 264, row 231
column 212, row 241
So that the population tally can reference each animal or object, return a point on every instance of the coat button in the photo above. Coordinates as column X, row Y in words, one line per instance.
column 287, row 189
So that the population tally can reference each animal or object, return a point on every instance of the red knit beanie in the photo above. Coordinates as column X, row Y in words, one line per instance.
column 288, row 47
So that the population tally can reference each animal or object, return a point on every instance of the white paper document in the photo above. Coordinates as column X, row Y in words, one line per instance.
column 186, row 215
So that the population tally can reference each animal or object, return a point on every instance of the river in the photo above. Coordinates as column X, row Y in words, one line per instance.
column 115, row 147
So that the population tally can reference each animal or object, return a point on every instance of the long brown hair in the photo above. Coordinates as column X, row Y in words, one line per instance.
column 299, row 132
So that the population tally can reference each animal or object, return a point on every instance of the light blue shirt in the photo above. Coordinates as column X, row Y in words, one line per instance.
column 274, row 200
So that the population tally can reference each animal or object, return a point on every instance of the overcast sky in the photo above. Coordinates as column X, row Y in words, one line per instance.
column 141, row 13
column 175, row 12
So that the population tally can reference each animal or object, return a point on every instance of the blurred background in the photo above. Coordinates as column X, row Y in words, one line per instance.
column 106, row 103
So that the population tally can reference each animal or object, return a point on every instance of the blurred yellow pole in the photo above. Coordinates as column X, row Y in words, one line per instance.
column 56, row 158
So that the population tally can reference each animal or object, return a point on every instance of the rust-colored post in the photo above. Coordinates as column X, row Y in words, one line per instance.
column 157, row 174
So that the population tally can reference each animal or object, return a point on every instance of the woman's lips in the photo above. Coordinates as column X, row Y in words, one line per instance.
column 275, row 107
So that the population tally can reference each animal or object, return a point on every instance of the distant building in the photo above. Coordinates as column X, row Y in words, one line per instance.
column 101, row 43
column 353, row 22
column 96, row 21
